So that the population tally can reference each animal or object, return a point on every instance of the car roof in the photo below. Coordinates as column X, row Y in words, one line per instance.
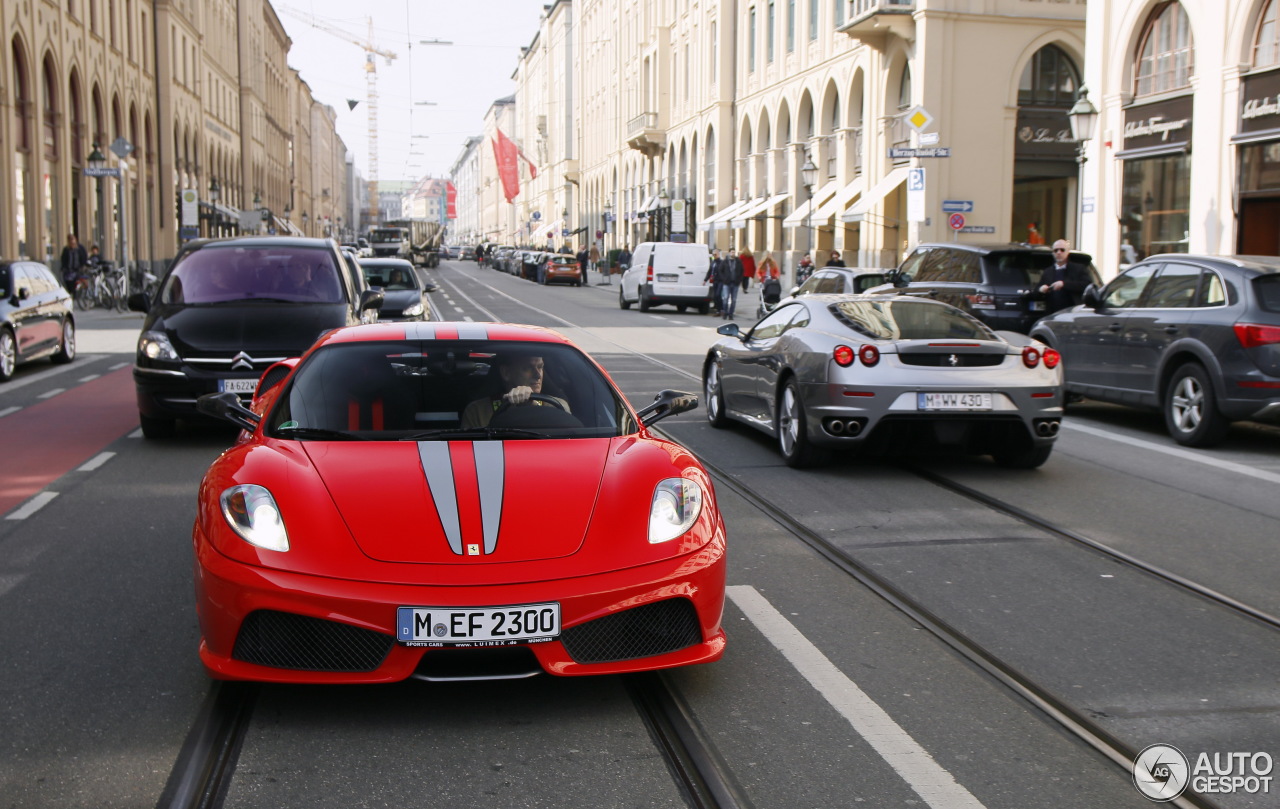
column 385, row 261
column 444, row 330
column 261, row 241
column 984, row 248
column 1262, row 265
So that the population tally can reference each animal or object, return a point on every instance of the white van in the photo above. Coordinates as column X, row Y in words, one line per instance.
column 671, row 273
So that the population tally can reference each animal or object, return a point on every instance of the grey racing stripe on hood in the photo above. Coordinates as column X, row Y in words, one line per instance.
column 420, row 331
column 473, row 332
column 439, row 471
column 489, row 474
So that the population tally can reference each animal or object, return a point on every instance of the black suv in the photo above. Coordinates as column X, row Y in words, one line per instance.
column 228, row 308
column 993, row 282
column 1196, row 336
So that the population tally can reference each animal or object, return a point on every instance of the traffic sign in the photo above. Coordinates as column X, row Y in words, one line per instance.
column 957, row 206
column 977, row 228
column 918, row 118
column 956, row 221
column 105, row 171
column 928, row 151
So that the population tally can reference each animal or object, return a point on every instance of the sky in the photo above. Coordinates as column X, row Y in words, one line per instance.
column 460, row 80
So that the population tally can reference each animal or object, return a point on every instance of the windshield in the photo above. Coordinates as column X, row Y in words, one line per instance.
column 389, row 276
column 910, row 320
column 217, row 274
column 387, row 234
column 424, row 390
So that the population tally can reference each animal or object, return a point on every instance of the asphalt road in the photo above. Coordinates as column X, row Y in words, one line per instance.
column 827, row 694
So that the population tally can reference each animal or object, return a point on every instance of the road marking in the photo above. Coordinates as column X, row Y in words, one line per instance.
column 52, row 393
column 89, row 378
column 119, row 365
column 136, row 433
column 52, row 370
column 1177, row 452
column 96, row 461
column 912, row 762
column 31, row 506
column 9, row 410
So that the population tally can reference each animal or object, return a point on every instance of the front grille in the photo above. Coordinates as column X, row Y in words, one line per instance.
column 286, row 641
column 653, row 629
column 945, row 360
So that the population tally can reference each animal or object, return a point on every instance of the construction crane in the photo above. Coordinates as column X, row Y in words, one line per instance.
column 371, row 90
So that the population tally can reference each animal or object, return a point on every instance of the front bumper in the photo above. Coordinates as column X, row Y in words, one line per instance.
column 229, row 592
column 170, row 394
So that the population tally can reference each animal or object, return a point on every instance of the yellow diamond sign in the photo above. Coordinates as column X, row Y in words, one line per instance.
column 918, row 118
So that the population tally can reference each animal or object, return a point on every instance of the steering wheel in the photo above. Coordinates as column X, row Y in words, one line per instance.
column 533, row 397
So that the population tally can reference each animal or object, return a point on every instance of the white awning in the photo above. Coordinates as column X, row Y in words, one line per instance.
column 650, row 204
column 873, row 197
column 839, row 202
column 796, row 218
column 553, row 228
column 740, row 218
column 722, row 215
column 227, row 211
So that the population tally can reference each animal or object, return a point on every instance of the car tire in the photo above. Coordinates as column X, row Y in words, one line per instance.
column 1191, row 408
column 622, row 299
column 714, row 393
column 154, row 429
column 704, row 308
column 8, row 354
column 644, row 303
column 792, row 429
column 1029, row 458
column 67, row 348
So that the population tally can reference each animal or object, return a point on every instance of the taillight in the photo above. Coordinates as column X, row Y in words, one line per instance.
column 869, row 355
column 984, row 299
column 1051, row 358
column 649, row 276
column 1252, row 335
column 843, row 355
column 1031, row 356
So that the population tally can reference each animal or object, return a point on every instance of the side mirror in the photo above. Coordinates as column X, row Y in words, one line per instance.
column 729, row 330
column 667, row 403
column 139, row 302
column 226, row 406
column 371, row 299
column 901, row 280
column 794, row 291
column 430, row 286
column 1092, row 297
column 23, row 293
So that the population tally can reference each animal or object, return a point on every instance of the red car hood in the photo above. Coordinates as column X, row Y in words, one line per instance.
column 461, row 502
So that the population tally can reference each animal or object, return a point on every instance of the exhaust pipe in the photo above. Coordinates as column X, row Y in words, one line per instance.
column 835, row 427
column 1047, row 429
column 853, row 427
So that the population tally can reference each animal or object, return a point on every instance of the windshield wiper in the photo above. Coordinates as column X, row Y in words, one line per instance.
column 318, row 433
column 475, row 432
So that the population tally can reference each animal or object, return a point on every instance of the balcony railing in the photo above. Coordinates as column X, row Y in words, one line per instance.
column 873, row 19
column 644, row 121
column 644, row 135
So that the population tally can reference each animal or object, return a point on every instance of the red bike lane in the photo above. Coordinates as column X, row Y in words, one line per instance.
column 46, row 440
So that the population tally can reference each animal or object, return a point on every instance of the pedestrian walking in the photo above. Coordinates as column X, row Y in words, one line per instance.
column 593, row 259
column 748, row 264
column 713, row 278
column 835, row 260
column 730, row 273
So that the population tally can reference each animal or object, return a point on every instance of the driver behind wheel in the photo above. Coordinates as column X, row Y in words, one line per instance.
column 522, row 377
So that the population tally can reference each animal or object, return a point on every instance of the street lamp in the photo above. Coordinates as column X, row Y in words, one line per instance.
column 305, row 219
column 1084, row 121
column 809, row 176
column 608, row 229
column 98, row 162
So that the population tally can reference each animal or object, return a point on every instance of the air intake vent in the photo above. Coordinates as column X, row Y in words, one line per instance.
column 654, row 629
column 286, row 641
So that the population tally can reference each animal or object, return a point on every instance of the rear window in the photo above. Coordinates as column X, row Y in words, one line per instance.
column 1267, row 288
column 909, row 320
column 1023, row 269
column 287, row 274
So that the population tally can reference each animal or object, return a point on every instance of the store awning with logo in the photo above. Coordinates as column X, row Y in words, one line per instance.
column 759, row 206
column 722, row 215
column 797, row 217
column 873, row 197
column 837, row 203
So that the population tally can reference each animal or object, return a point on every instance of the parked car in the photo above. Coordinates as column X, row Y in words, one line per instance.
column 560, row 268
column 993, row 282
column 530, row 261
column 840, row 280
column 361, row 532
column 467, row 253
column 37, row 317
column 226, row 309
column 824, row 372
column 1197, row 337
column 667, row 273
column 403, row 295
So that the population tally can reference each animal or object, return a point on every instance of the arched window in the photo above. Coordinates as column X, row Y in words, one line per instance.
column 1165, row 55
column 1050, row 79
column 709, row 161
column 49, row 117
column 1266, row 45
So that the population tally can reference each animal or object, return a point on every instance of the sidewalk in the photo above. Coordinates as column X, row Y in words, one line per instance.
column 99, row 331
column 744, row 312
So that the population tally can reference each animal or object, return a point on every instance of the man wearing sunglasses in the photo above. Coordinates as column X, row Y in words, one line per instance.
column 1062, row 284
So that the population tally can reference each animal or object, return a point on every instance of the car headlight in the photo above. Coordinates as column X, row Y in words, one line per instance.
column 155, row 345
column 251, row 512
column 413, row 311
column 676, row 504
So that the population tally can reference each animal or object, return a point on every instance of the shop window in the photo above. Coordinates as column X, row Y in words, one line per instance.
column 1266, row 45
column 1154, row 207
column 1165, row 57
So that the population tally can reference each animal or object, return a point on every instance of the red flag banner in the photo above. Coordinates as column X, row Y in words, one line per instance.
column 451, row 201
column 505, row 152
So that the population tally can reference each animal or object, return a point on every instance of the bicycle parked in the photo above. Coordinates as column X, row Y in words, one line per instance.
column 104, row 285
